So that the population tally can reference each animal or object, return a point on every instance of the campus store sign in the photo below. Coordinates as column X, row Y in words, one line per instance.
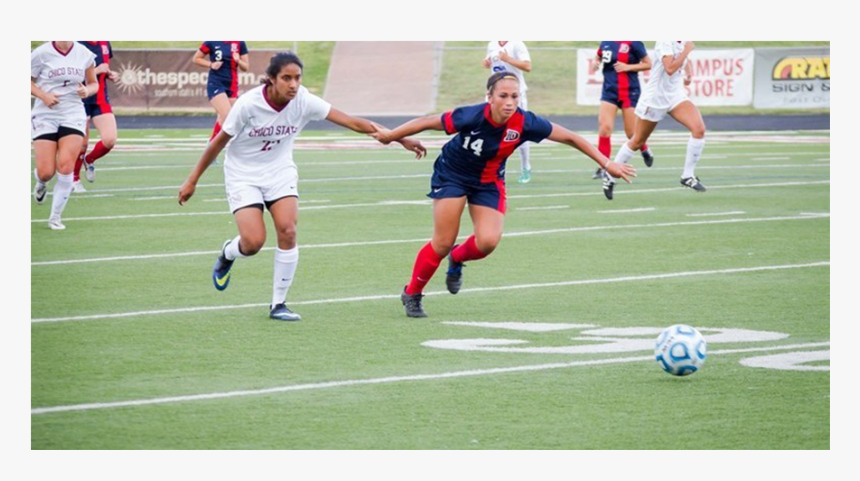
column 168, row 80
column 720, row 77
column 792, row 78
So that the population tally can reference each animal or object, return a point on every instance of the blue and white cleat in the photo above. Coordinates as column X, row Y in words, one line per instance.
column 525, row 176
column 89, row 171
column 221, row 271
column 281, row 312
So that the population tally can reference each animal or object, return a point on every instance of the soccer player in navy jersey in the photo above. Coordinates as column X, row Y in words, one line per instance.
column 621, row 62
column 471, row 170
column 225, row 58
column 98, row 110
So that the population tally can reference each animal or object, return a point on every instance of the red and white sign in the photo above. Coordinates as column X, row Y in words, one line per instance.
column 720, row 77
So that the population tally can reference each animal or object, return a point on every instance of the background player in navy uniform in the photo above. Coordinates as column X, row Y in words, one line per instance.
column 471, row 169
column 225, row 58
column 621, row 62
column 98, row 109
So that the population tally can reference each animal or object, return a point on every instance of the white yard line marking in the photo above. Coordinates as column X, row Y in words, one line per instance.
column 712, row 214
column 666, row 189
column 805, row 216
column 395, row 379
column 771, row 158
column 651, row 277
column 548, row 207
column 627, row 211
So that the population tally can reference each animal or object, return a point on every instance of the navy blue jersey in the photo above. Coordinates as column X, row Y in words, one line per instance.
column 629, row 52
column 478, row 152
column 219, row 51
column 103, row 52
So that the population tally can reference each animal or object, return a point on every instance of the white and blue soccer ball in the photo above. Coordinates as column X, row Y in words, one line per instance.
column 680, row 350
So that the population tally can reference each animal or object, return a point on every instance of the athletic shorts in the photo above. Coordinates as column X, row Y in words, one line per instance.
column 55, row 128
column 491, row 194
column 216, row 87
column 611, row 96
column 242, row 194
column 94, row 110
column 652, row 114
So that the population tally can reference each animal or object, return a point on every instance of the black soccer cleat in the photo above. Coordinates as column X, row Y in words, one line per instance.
column 281, row 312
column 608, row 186
column 412, row 303
column 693, row 183
column 221, row 271
column 648, row 157
column 454, row 279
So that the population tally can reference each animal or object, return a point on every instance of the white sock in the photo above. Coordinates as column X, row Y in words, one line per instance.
column 38, row 180
column 524, row 157
column 232, row 251
column 694, row 152
column 286, row 262
column 62, row 189
column 622, row 157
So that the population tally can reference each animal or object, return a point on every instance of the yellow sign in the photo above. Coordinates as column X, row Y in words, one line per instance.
column 802, row 68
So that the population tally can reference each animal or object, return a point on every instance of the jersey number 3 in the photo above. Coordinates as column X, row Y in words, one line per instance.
column 476, row 146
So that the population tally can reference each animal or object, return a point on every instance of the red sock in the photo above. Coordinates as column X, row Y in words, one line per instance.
column 604, row 146
column 644, row 147
column 425, row 266
column 215, row 130
column 98, row 152
column 79, row 162
column 467, row 251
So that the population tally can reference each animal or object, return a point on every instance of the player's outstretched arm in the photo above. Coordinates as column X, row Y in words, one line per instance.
column 209, row 155
column 414, row 126
column 563, row 136
column 364, row 126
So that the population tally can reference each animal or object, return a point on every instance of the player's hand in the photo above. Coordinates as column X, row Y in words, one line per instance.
column 50, row 100
column 414, row 146
column 504, row 57
column 487, row 62
column 689, row 46
column 622, row 171
column 622, row 67
column 382, row 135
column 186, row 191
column 112, row 76
column 82, row 91
column 216, row 65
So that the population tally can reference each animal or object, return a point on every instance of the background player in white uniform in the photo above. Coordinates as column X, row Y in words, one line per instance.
column 259, row 169
column 513, row 56
column 61, row 74
column 665, row 94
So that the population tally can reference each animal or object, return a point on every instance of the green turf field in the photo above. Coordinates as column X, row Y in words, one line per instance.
column 549, row 345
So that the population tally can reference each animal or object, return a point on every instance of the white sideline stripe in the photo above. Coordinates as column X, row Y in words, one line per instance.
column 427, row 202
column 711, row 214
column 803, row 216
column 772, row 158
column 626, row 211
column 548, row 207
column 649, row 277
column 394, row 379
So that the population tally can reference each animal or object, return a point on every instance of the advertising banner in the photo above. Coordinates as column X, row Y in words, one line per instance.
column 792, row 78
column 720, row 77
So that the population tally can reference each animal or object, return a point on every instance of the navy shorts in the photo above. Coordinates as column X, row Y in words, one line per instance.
column 216, row 87
column 94, row 110
column 626, row 101
column 490, row 194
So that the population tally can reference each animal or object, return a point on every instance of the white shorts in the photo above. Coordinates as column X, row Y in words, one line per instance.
column 655, row 115
column 42, row 125
column 241, row 193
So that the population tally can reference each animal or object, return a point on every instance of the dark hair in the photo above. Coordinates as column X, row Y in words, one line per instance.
column 491, row 82
column 279, row 61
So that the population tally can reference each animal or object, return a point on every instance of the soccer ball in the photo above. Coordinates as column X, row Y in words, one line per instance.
column 680, row 350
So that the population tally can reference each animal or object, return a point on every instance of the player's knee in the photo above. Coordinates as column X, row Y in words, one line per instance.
column 635, row 143
column 442, row 247
column 109, row 141
column 251, row 245
column 698, row 131
column 604, row 129
column 287, row 236
column 487, row 244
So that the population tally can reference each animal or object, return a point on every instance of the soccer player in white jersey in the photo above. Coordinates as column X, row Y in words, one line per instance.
column 513, row 56
column 665, row 94
column 259, row 170
column 61, row 74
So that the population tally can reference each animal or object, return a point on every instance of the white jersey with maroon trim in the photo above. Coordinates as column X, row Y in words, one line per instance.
column 263, row 136
column 664, row 91
column 516, row 50
column 60, row 74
